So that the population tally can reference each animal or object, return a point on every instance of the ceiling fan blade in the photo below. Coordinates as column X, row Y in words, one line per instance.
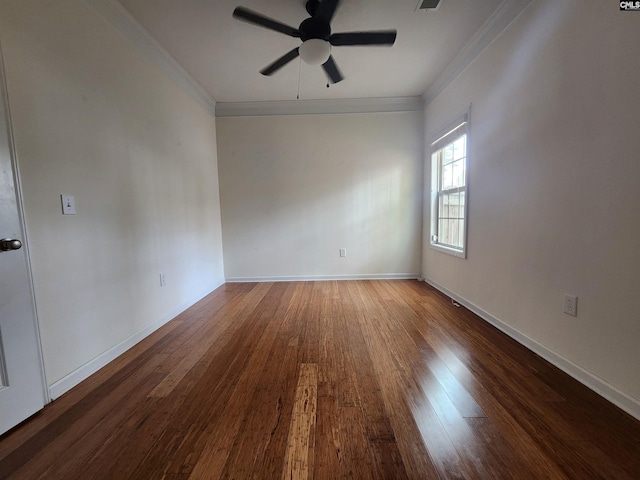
column 326, row 9
column 332, row 71
column 279, row 63
column 380, row 37
column 256, row 18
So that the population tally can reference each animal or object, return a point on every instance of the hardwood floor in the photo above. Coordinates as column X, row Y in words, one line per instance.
column 326, row 380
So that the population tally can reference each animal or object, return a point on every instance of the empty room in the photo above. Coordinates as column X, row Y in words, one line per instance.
column 319, row 239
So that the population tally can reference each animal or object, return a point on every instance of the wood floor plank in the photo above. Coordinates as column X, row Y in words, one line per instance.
column 450, row 416
column 325, row 380
column 57, row 447
column 506, row 462
column 356, row 456
column 405, row 416
column 164, row 448
column 286, row 355
column 310, row 342
column 415, row 326
column 388, row 461
column 257, row 401
column 74, row 402
column 410, row 375
column 515, row 391
column 299, row 457
column 328, row 447
column 215, row 376
column 209, row 456
column 327, row 368
column 149, row 427
column 506, row 419
column 347, row 382
column 377, row 423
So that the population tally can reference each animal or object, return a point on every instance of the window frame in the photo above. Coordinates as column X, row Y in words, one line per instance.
column 447, row 136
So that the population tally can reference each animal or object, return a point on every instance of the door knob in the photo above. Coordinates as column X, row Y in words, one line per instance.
column 7, row 244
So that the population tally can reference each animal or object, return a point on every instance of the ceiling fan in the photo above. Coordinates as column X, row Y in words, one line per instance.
column 316, row 36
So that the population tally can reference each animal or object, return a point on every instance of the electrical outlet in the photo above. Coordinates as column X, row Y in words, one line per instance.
column 163, row 280
column 571, row 305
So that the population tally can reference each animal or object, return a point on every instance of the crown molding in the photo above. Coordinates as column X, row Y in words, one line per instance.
column 319, row 107
column 496, row 24
column 122, row 20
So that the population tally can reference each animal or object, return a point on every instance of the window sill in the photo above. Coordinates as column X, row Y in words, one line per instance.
column 448, row 250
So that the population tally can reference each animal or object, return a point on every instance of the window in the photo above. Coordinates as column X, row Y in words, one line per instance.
column 449, row 190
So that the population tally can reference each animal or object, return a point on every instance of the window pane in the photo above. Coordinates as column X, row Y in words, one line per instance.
column 447, row 154
column 460, row 147
column 443, row 209
column 451, row 220
column 458, row 173
column 456, row 212
column 447, row 177
column 442, row 231
column 449, row 200
column 448, row 231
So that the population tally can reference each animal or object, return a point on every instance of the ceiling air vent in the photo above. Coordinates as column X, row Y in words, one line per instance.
column 429, row 4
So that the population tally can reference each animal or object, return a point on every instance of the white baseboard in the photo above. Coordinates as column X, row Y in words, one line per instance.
column 74, row 378
column 320, row 278
column 595, row 383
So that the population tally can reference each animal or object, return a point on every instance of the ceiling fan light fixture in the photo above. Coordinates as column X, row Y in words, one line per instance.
column 315, row 51
column 316, row 37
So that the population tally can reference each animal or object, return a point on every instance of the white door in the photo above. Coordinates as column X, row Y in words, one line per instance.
column 22, row 386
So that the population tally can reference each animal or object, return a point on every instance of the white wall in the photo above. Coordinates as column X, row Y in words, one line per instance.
column 553, row 190
column 94, row 119
column 296, row 189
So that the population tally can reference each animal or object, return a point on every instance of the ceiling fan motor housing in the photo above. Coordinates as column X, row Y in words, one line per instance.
column 314, row 27
column 312, row 7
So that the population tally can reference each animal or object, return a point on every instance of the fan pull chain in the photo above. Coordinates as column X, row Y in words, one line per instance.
column 299, row 68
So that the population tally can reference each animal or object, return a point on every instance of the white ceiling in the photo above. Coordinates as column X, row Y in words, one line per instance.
column 225, row 55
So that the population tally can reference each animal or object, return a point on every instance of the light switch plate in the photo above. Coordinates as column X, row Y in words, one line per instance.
column 68, row 204
column 571, row 305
